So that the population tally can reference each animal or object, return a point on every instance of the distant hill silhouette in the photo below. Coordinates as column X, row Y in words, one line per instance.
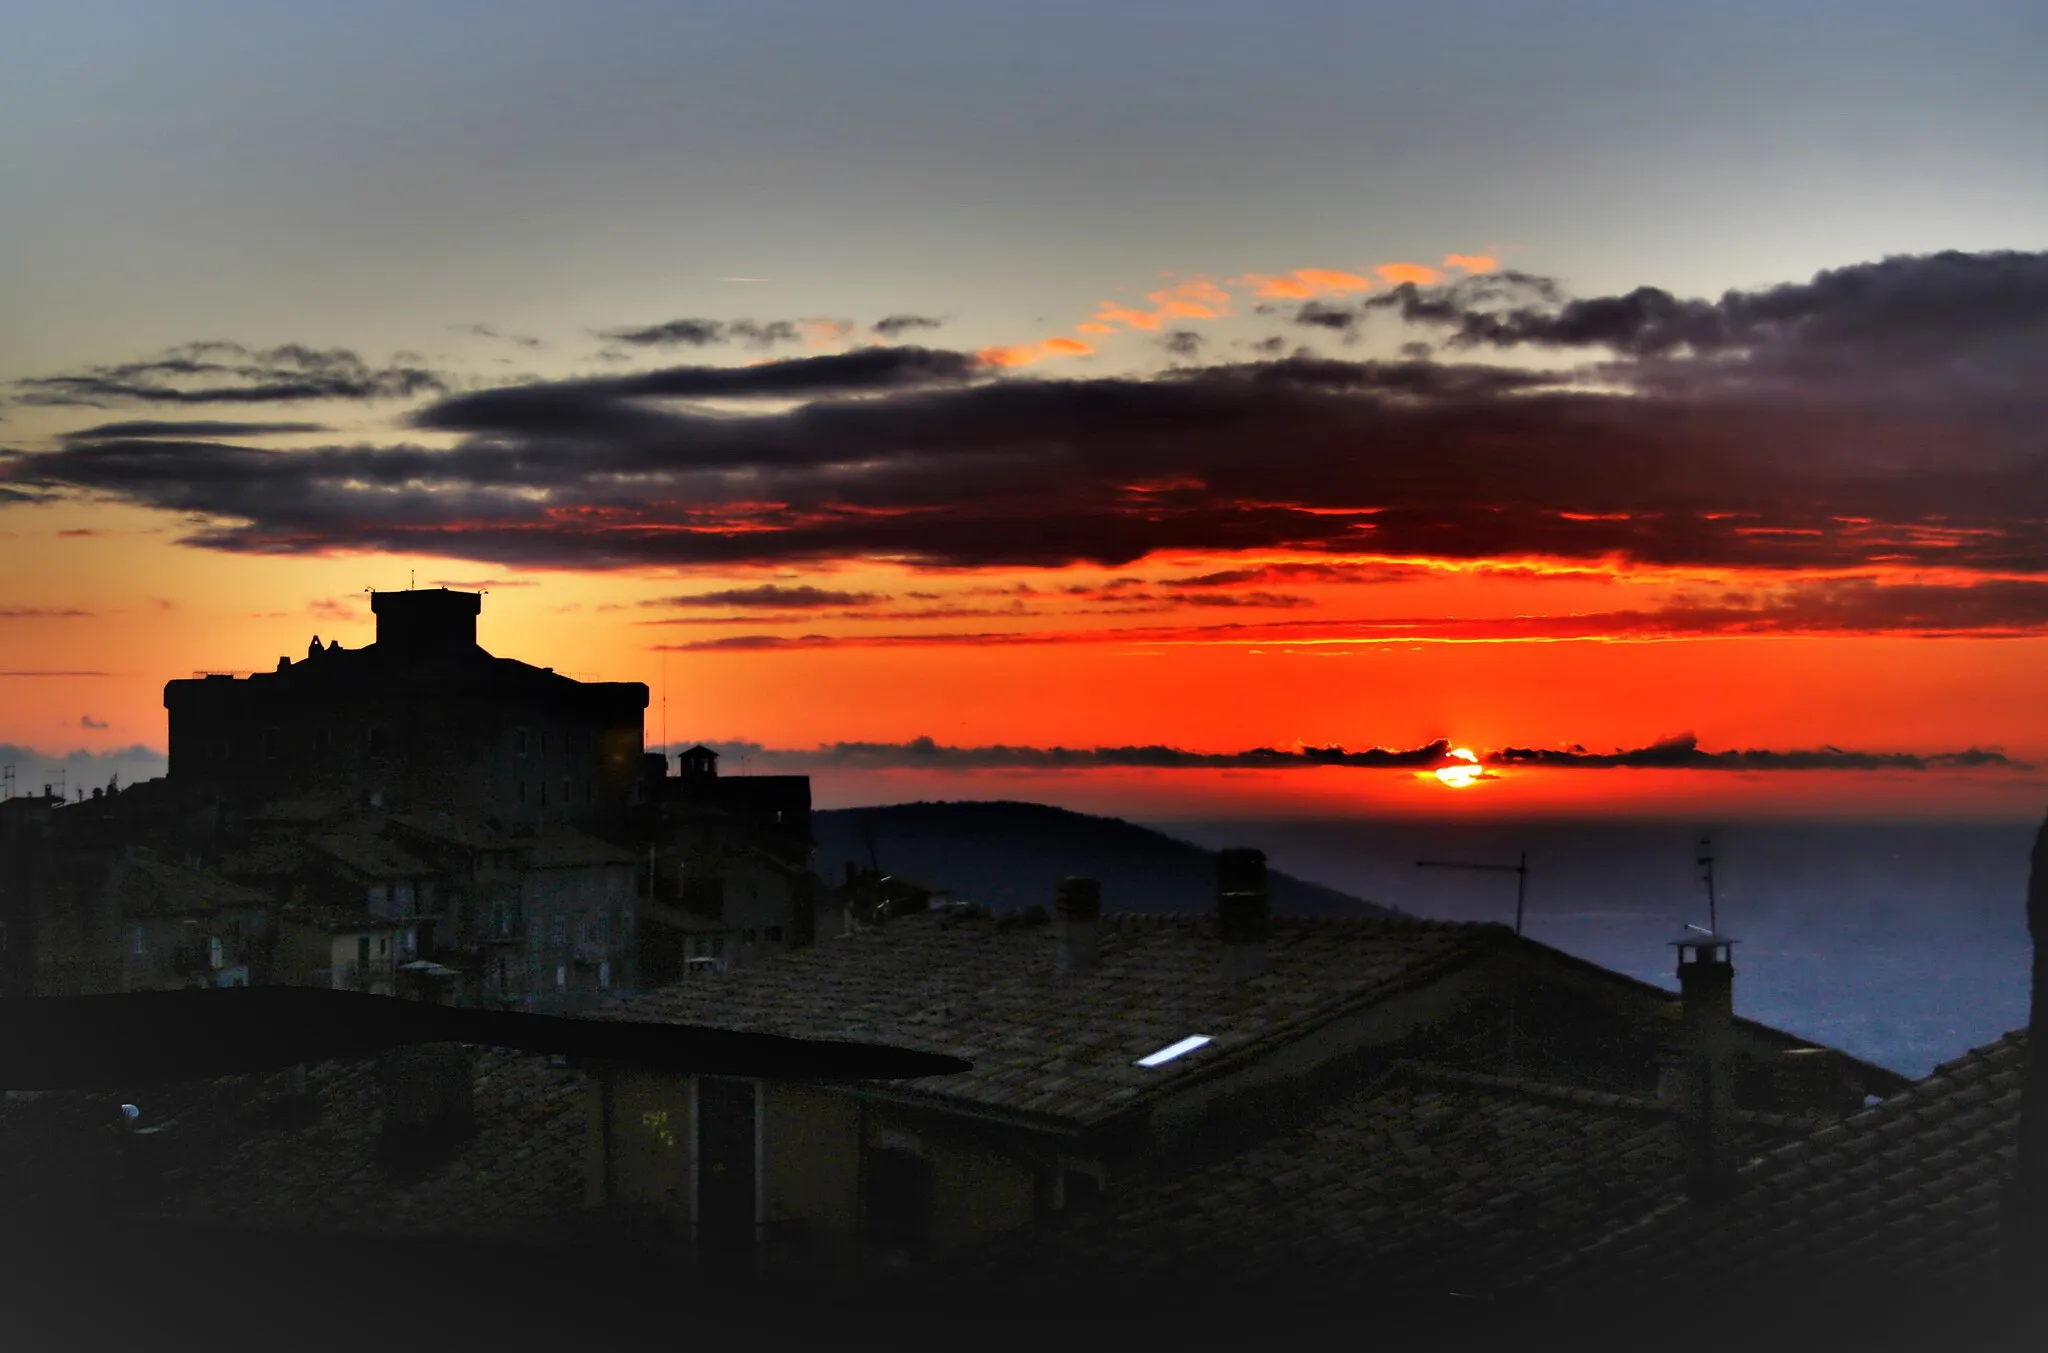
column 1009, row 856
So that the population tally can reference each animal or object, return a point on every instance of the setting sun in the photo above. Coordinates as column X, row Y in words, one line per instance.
column 1464, row 776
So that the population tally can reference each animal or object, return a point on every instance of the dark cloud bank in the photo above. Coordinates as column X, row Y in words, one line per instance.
column 1678, row 753
column 1877, row 416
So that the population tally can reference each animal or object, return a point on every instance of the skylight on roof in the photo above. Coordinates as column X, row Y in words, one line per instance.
column 1180, row 1049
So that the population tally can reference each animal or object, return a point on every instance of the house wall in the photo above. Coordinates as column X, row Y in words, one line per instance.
column 815, row 1183
column 579, row 945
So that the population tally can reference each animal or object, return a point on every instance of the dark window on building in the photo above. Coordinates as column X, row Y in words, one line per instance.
column 543, row 793
column 522, row 742
column 565, row 789
column 522, row 791
column 379, row 739
column 775, row 934
column 899, row 1198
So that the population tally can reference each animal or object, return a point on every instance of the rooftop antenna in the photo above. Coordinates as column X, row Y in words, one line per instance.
column 6, row 782
column 1706, row 862
column 664, row 709
column 1520, row 869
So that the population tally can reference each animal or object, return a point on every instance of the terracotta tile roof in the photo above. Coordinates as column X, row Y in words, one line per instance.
column 471, row 833
column 371, row 856
column 1908, row 1189
column 567, row 848
column 1429, row 1181
column 1060, row 1049
column 148, row 886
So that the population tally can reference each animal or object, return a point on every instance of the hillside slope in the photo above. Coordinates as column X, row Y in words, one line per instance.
column 1009, row 856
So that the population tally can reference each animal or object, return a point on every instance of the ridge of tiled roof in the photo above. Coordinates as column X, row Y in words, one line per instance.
column 371, row 855
column 1603, row 1099
column 1909, row 1188
column 1060, row 1050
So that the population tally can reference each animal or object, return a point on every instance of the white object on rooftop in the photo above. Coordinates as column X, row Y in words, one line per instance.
column 1180, row 1049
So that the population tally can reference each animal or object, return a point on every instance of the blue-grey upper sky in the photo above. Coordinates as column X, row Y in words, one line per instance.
column 381, row 175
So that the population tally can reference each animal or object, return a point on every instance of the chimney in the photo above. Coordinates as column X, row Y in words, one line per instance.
column 1077, row 909
column 1241, row 912
column 429, row 1102
column 1706, row 984
column 437, row 623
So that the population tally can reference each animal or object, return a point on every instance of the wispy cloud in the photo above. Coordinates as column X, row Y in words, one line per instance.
column 771, row 596
column 216, row 372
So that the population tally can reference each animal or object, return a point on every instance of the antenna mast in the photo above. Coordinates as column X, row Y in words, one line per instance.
column 1520, row 869
column 1707, row 872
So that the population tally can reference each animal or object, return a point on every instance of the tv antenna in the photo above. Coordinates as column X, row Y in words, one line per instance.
column 1706, row 863
column 1520, row 870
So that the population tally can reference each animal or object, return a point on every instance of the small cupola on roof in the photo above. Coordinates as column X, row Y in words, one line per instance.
column 435, row 622
column 699, row 763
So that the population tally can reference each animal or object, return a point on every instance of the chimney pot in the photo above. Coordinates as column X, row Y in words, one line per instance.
column 1241, row 916
column 1077, row 908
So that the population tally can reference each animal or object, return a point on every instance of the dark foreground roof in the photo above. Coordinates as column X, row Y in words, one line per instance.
column 226, row 1155
column 520, row 1177
column 1428, row 1183
column 1909, row 1190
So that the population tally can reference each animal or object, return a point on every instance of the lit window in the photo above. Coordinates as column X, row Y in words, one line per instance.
column 1180, row 1049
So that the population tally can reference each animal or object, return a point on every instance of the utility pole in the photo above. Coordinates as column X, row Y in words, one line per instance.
column 1520, row 870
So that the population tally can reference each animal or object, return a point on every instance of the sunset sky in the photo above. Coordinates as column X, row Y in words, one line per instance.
column 1651, row 399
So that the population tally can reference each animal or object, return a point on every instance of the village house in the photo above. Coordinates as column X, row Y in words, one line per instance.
column 728, row 875
column 1107, row 1051
column 342, row 948
column 187, row 927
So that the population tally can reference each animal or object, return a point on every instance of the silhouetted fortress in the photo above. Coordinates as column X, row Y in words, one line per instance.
column 422, row 717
